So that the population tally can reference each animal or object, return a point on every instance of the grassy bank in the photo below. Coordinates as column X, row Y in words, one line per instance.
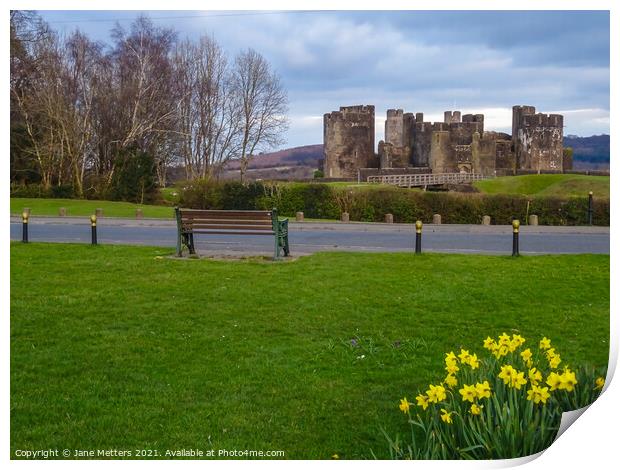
column 83, row 207
column 124, row 347
column 547, row 185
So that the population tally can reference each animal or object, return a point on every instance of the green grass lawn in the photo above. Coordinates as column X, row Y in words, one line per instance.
column 127, row 348
column 83, row 207
column 547, row 185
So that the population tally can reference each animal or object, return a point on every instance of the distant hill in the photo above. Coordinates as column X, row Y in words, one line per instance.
column 589, row 152
column 293, row 163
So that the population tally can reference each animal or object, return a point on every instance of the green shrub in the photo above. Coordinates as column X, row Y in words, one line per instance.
column 63, row 191
column 322, row 201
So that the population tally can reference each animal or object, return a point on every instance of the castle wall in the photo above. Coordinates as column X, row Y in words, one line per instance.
column 348, row 141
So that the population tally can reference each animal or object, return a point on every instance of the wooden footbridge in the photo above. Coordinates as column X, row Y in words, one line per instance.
column 428, row 179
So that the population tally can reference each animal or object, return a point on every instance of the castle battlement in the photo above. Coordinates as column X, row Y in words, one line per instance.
column 542, row 120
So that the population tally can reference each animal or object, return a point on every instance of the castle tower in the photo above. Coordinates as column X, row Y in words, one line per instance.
column 348, row 140
column 537, row 139
column 395, row 128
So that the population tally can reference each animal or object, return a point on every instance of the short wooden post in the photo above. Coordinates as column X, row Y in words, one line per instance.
column 389, row 218
column 299, row 216
column 139, row 214
column 344, row 217
column 437, row 219
column 486, row 220
column 62, row 212
column 99, row 212
column 532, row 219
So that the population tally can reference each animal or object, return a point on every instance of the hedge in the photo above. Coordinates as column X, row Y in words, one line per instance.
column 322, row 201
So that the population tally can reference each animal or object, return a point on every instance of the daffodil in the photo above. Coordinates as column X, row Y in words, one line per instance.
column 554, row 362
column 436, row 393
column 550, row 353
column 534, row 375
column 500, row 351
column 526, row 355
column 517, row 380
column 544, row 343
column 468, row 393
column 506, row 373
column 451, row 381
column 464, row 356
column 450, row 357
column 567, row 381
column 518, row 339
column 446, row 416
column 483, row 390
column 554, row 381
column 404, row 405
column 475, row 409
column 504, row 339
column 538, row 394
column 473, row 361
column 422, row 401
column 488, row 343
column 600, row 383
column 452, row 368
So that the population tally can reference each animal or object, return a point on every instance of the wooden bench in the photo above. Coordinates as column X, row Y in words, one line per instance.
column 192, row 221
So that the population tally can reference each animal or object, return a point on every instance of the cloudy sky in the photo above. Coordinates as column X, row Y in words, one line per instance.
column 420, row 61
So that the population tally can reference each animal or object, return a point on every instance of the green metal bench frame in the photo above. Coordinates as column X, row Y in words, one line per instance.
column 230, row 223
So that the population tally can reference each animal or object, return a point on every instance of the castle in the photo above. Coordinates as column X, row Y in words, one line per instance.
column 459, row 144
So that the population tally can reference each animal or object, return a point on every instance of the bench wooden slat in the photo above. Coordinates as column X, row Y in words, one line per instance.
column 231, row 227
column 225, row 214
column 224, row 232
column 194, row 222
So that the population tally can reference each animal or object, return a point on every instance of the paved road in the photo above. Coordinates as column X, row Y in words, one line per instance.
column 309, row 237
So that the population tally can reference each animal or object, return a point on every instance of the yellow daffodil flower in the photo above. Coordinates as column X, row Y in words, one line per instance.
column 504, row 339
column 475, row 409
column 446, row 417
column 450, row 357
column 468, row 393
column 526, row 355
column 600, row 383
column 534, row 375
column 436, row 393
column 553, row 381
column 567, row 381
column 422, row 401
column 452, row 368
column 554, row 362
column 473, row 361
column 451, row 381
column 538, row 394
column 517, row 380
column 506, row 373
column 404, row 405
column 488, row 343
column 464, row 356
column 483, row 390
column 544, row 343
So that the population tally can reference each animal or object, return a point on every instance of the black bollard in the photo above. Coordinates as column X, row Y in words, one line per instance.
column 515, row 237
column 25, row 216
column 590, row 208
column 418, row 236
column 93, row 229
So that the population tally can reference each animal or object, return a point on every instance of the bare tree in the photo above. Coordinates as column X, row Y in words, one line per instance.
column 209, row 124
column 262, row 102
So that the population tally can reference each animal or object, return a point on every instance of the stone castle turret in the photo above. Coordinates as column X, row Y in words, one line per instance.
column 349, row 141
column 537, row 139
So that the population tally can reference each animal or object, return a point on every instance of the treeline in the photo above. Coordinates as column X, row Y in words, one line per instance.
column 322, row 201
column 107, row 121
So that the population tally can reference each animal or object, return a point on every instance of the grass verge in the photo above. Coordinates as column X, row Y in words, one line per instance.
column 84, row 207
column 547, row 185
column 127, row 348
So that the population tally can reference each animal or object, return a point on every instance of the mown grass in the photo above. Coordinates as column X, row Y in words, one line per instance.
column 127, row 348
column 83, row 207
column 547, row 185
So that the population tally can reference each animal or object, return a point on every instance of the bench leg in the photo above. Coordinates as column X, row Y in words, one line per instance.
column 192, row 248
column 287, row 251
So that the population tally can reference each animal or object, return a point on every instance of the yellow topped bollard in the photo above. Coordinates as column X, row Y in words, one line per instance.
column 515, row 237
column 25, row 216
column 418, row 236
column 93, row 229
